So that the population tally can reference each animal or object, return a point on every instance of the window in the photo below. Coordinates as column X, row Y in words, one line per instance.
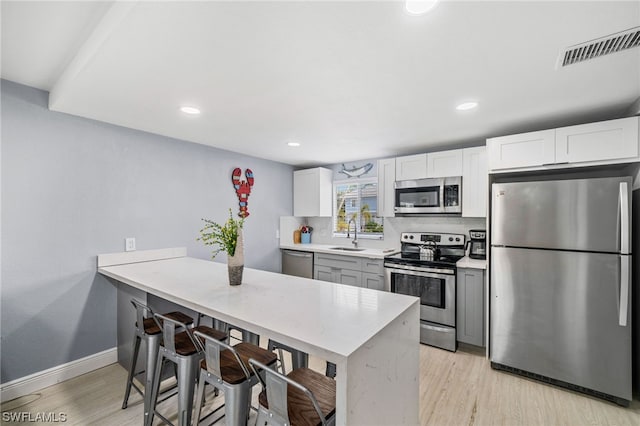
column 356, row 204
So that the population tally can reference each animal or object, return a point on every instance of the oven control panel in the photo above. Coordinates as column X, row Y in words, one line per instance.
column 439, row 239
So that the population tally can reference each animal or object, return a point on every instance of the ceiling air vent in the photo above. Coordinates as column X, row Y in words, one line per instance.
column 600, row 47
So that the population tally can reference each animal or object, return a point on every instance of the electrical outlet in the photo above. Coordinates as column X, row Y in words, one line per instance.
column 277, row 234
column 129, row 244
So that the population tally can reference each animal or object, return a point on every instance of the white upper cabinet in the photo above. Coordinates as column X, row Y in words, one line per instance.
column 593, row 144
column 411, row 167
column 475, row 182
column 606, row 140
column 522, row 150
column 312, row 192
column 386, row 190
column 444, row 163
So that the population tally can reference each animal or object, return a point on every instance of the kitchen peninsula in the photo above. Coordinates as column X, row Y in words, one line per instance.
column 371, row 336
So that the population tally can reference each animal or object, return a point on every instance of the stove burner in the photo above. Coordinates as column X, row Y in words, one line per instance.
column 448, row 251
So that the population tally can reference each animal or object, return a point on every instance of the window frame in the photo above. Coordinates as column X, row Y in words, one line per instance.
column 360, row 182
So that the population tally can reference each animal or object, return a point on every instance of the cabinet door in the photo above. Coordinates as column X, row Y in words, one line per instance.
column 323, row 273
column 522, row 150
column 475, row 182
column 411, row 167
column 373, row 281
column 312, row 192
column 606, row 140
column 470, row 293
column 349, row 277
column 386, row 191
column 444, row 163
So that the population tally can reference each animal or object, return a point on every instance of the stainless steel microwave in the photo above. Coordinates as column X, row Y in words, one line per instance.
column 429, row 196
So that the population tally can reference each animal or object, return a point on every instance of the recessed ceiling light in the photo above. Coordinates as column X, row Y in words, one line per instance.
column 420, row 7
column 293, row 143
column 190, row 110
column 467, row 105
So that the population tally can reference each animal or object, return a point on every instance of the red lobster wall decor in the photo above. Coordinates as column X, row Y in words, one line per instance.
column 243, row 189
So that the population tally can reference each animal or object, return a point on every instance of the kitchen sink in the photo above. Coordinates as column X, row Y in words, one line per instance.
column 346, row 248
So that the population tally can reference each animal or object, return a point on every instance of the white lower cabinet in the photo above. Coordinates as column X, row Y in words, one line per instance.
column 349, row 270
column 470, row 306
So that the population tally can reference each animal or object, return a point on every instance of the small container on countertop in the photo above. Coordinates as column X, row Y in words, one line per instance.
column 306, row 237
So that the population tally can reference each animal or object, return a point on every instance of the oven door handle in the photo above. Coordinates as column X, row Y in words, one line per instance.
column 419, row 273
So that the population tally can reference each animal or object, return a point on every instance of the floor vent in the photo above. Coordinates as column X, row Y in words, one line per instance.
column 600, row 47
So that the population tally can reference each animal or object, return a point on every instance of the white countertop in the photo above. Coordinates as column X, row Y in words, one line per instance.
column 326, row 248
column 329, row 319
column 467, row 262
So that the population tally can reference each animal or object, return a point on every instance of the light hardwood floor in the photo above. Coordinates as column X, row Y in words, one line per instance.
column 455, row 389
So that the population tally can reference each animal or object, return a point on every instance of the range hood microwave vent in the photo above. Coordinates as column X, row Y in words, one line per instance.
column 600, row 47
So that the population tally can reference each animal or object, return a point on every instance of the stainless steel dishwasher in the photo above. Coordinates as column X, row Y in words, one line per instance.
column 298, row 263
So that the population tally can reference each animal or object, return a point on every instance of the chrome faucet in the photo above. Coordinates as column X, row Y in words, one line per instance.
column 355, row 231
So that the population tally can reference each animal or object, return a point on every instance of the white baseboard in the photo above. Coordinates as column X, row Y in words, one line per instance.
column 40, row 380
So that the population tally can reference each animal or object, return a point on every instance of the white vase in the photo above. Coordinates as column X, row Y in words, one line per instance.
column 235, row 263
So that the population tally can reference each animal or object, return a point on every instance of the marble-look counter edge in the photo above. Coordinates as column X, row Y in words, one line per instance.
column 326, row 248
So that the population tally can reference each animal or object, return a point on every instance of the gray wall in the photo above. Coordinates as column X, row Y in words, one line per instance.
column 73, row 188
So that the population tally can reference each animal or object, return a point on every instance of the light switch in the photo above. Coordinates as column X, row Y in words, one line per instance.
column 129, row 244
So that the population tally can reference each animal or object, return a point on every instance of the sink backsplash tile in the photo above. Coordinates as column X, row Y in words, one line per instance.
column 393, row 227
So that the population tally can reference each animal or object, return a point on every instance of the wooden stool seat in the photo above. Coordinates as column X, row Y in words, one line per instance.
column 151, row 327
column 299, row 406
column 231, row 371
column 184, row 344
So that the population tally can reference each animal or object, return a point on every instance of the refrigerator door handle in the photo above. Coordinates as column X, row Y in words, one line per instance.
column 625, row 280
column 624, row 218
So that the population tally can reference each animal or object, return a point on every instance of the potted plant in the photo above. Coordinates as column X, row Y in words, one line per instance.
column 226, row 238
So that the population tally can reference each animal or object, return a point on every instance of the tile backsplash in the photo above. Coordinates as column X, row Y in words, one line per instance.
column 393, row 227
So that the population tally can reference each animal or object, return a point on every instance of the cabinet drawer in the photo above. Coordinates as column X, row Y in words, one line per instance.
column 374, row 266
column 338, row 261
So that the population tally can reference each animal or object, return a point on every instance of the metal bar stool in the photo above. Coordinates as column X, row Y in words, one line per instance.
column 226, row 368
column 299, row 359
column 247, row 336
column 302, row 397
column 180, row 347
column 147, row 329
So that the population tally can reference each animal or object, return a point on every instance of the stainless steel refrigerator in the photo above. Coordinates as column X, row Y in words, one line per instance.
column 561, row 283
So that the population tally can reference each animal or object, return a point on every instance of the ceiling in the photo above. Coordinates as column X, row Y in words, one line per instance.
column 347, row 80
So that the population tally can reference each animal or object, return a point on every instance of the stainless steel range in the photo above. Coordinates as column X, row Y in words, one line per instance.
column 426, row 268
